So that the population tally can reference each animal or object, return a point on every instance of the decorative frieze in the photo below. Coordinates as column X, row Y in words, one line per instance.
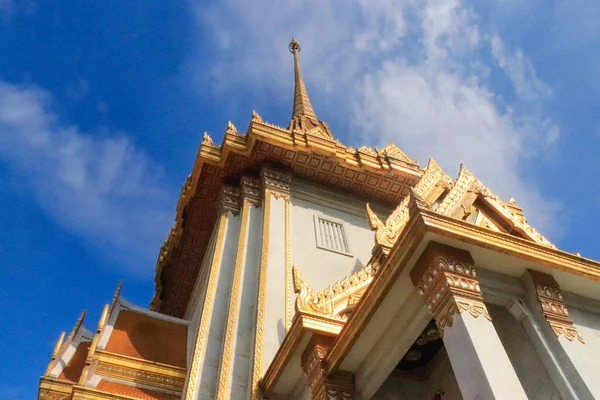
column 446, row 278
column 250, row 190
column 230, row 200
column 553, row 306
column 336, row 386
column 276, row 183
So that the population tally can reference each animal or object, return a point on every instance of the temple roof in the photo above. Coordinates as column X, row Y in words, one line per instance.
column 306, row 148
column 141, row 336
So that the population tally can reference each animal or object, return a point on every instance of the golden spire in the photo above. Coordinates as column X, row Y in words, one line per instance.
column 302, row 106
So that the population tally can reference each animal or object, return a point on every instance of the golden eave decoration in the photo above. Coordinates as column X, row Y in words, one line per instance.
column 337, row 300
column 456, row 199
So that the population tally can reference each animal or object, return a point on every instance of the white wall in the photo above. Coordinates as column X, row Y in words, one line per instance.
column 320, row 267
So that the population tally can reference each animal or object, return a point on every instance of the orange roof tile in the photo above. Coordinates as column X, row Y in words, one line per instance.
column 135, row 392
column 72, row 370
column 141, row 336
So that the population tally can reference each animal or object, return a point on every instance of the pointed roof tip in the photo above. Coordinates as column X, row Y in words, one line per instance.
column 302, row 106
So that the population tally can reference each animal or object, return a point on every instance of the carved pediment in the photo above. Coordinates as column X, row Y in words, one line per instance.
column 456, row 199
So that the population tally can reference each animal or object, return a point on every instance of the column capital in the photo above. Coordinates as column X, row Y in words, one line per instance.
column 276, row 183
column 555, row 311
column 250, row 190
column 229, row 199
column 446, row 278
column 336, row 386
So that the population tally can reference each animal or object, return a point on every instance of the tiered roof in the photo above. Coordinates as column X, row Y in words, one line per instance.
column 135, row 354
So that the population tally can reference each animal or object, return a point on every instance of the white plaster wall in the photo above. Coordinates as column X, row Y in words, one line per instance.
column 275, row 302
column 525, row 360
column 320, row 267
column 210, row 364
column 585, row 356
column 244, row 344
column 401, row 388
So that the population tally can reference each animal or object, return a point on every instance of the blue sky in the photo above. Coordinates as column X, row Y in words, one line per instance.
column 103, row 105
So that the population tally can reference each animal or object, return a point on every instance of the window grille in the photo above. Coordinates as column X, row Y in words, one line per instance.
column 331, row 235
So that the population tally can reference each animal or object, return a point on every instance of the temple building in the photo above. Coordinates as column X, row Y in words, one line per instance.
column 302, row 268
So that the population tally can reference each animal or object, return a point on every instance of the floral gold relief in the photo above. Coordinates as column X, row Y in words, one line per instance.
column 553, row 306
column 446, row 278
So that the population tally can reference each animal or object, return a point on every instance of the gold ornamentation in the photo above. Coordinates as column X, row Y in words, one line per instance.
column 336, row 299
column 250, row 191
column 207, row 306
column 234, row 304
column 276, row 183
column 256, row 117
column 367, row 150
column 230, row 200
column 393, row 151
column 447, row 280
column 207, row 140
column 553, row 306
column 140, row 376
column 231, row 129
column 336, row 386
column 387, row 234
column 260, row 305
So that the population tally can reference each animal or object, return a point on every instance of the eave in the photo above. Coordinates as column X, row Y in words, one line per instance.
column 513, row 254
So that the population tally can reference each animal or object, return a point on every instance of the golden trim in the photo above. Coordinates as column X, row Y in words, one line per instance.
column 288, row 269
column 302, row 323
column 207, row 306
column 260, row 306
column 233, row 307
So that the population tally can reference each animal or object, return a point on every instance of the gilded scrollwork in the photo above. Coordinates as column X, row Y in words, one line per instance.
column 207, row 140
column 447, row 279
column 336, row 300
column 553, row 307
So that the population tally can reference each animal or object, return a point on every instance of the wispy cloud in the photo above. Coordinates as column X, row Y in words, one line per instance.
column 413, row 72
column 96, row 185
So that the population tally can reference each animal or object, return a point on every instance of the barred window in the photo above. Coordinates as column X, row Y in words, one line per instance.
column 331, row 235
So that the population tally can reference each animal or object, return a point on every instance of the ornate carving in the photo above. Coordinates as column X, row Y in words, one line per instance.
column 207, row 140
column 367, row 150
column 231, row 129
column 230, row 200
column 336, row 299
column 393, row 151
column 336, row 386
column 446, row 278
column 250, row 190
column 138, row 375
column 276, row 183
column 256, row 117
column 387, row 234
column 553, row 306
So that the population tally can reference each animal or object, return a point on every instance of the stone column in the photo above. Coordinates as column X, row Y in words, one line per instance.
column 446, row 278
column 337, row 386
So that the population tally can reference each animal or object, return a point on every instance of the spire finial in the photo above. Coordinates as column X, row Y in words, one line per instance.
column 302, row 106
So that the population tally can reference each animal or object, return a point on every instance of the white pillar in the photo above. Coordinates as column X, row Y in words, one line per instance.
column 446, row 277
column 274, row 282
column 203, row 375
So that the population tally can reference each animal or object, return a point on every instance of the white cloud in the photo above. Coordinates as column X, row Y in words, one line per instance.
column 96, row 185
column 520, row 71
column 412, row 72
